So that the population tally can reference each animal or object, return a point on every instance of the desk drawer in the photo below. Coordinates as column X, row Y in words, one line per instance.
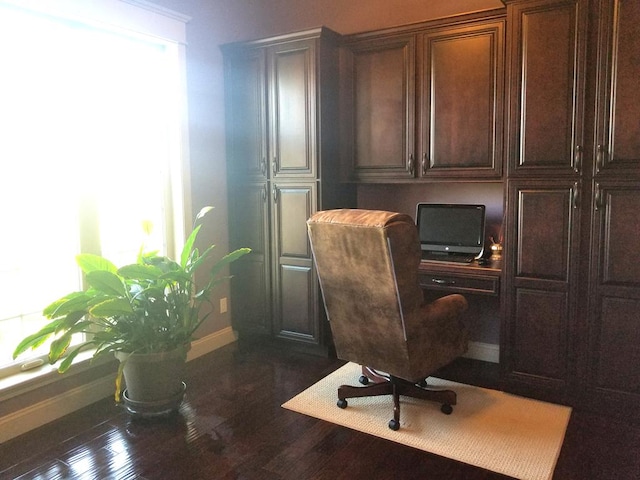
column 460, row 283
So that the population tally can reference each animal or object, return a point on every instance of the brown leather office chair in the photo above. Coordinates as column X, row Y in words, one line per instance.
column 367, row 263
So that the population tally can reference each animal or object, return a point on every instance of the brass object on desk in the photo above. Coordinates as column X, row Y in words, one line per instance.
column 496, row 249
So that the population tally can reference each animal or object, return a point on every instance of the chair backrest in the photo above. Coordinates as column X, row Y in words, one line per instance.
column 367, row 263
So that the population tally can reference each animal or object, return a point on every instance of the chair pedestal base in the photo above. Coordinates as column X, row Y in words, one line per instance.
column 396, row 386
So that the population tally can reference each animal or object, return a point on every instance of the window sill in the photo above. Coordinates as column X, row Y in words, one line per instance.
column 23, row 382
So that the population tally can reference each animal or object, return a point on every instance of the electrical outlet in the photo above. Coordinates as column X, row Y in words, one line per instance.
column 223, row 305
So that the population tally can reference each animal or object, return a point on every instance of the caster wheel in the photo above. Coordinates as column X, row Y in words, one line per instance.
column 342, row 403
column 446, row 409
column 364, row 380
column 393, row 425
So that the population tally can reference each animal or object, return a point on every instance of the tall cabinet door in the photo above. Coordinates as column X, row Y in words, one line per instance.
column 293, row 109
column 462, row 92
column 249, row 227
column 296, row 309
column 614, row 298
column 617, row 139
column 247, row 114
column 379, row 78
column 247, row 153
column 540, row 303
column 546, row 104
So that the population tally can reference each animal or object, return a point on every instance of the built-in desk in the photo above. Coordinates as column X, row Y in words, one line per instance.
column 480, row 284
column 469, row 278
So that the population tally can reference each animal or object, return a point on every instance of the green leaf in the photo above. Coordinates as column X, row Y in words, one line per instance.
column 69, row 303
column 177, row 276
column 58, row 347
column 106, row 282
column 188, row 246
column 111, row 307
column 68, row 360
column 227, row 259
column 36, row 339
column 89, row 263
column 199, row 260
column 140, row 272
column 71, row 320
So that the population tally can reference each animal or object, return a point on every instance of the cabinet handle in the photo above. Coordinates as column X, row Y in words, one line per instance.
column 263, row 166
column 275, row 195
column 575, row 195
column 425, row 163
column 274, row 165
column 577, row 159
column 598, row 198
column 599, row 157
column 410, row 163
column 441, row 281
column 264, row 193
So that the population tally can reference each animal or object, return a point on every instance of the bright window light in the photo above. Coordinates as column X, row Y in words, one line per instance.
column 90, row 133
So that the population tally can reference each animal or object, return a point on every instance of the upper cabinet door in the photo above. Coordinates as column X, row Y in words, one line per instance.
column 462, row 101
column 546, row 86
column 245, row 70
column 617, row 139
column 379, row 98
column 292, row 82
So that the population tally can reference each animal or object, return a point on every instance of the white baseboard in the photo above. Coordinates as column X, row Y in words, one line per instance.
column 34, row 416
column 211, row 342
column 487, row 352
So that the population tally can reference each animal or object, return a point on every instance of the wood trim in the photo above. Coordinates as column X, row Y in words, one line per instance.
column 487, row 352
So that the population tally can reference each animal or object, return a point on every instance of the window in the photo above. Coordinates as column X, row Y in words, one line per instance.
column 91, row 145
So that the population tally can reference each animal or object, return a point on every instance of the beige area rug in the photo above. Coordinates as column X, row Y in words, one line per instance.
column 493, row 430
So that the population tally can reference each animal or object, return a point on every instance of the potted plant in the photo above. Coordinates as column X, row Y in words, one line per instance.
column 146, row 313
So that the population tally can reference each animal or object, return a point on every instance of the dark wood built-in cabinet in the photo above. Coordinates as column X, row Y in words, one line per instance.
column 462, row 91
column 540, row 294
column 378, row 92
column 570, row 323
column 546, row 56
column 282, row 163
column 425, row 101
column 612, row 348
column 540, row 97
column 545, row 140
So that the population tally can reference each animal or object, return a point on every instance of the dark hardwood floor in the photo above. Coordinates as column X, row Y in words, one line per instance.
column 231, row 426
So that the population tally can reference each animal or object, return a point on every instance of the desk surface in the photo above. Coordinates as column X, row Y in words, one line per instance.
column 493, row 268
